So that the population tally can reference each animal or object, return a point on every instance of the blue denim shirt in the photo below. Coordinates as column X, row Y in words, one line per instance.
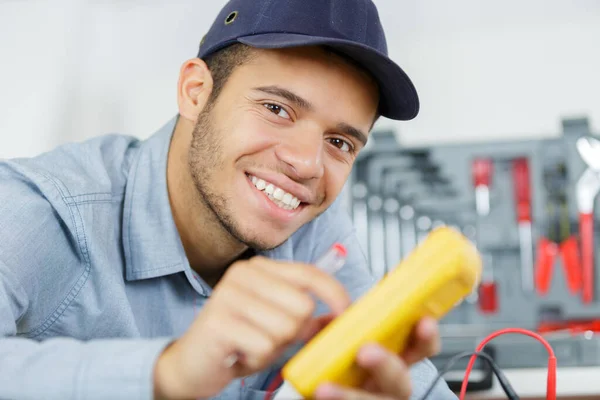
column 94, row 280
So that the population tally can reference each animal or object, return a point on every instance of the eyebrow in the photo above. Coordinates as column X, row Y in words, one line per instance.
column 286, row 94
column 352, row 131
column 307, row 105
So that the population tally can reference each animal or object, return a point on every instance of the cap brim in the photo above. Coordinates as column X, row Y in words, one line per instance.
column 399, row 99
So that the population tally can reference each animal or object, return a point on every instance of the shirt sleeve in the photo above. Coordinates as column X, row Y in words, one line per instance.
column 40, row 264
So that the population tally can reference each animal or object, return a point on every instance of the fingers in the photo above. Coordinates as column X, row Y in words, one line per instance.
column 335, row 392
column 281, row 326
column 257, row 309
column 255, row 347
column 267, row 305
column 270, row 287
column 307, row 277
column 387, row 371
column 424, row 341
column 389, row 378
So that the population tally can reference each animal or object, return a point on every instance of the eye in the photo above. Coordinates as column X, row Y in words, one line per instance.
column 277, row 110
column 341, row 144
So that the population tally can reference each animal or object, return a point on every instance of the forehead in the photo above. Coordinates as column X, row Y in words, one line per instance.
column 321, row 76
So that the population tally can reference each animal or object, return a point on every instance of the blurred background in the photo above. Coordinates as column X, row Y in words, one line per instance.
column 503, row 148
column 72, row 69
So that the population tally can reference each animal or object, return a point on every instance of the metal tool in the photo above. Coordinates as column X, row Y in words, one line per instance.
column 588, row 187
column 376, row 236
column 573, row 327
column 558, row 238
column 589, row 149
column 424, row 225
column 407, row 229
column 375, row 169
column 470, row 232
column 486, row 295
column 393, row 244
column 482, row 169
column 523, row 209
column 398, row 231
column 408, row 187
column 360, row 215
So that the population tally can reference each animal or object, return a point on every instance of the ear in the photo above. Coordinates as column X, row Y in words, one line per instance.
column 194, row 88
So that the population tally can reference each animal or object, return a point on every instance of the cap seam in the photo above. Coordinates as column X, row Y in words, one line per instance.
column 261, row 15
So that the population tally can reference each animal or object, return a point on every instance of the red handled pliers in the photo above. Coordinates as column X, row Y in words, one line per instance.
column 558, row 240
column 548, row 249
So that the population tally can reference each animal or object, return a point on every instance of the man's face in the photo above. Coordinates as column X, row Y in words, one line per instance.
column 276, row 147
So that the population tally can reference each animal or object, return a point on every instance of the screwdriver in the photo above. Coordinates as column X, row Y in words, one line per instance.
column 482, row 170
column 488, row 291
column 523, row 208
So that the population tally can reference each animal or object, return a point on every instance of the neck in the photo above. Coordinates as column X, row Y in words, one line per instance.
column 210, row 249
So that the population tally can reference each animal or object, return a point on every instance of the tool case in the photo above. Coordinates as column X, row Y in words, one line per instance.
column 396, row 195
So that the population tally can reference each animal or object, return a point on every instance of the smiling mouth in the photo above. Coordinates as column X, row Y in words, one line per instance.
column 278, row 196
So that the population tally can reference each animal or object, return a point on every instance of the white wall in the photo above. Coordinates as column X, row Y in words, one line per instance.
column 496, row 69
column 72, row 69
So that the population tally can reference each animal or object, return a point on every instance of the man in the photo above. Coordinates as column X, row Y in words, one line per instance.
column 181, row 267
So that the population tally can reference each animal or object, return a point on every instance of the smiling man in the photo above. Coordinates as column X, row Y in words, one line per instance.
column 182, row 266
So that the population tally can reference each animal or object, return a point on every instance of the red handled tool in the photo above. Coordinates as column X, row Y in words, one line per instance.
column 482, row 170
column 588, row 187
column 558, row 239
column 586, row 227
column 574, row 326
column 488, row 289
column 523, row 207
column 547, row 251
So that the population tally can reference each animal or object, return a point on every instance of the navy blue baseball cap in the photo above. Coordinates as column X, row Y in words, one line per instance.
column 350, row 27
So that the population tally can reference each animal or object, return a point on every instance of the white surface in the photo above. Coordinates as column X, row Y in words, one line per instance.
column 576, row 381
column 72, row 69
column 287, row 392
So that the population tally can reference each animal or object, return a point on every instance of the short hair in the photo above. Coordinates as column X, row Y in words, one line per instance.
column 222, row 63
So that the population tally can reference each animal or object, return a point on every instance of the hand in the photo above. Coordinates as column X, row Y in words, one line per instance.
column 389, row 376
column 259, row 308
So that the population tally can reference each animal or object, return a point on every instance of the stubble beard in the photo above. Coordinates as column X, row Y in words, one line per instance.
column 205, row 157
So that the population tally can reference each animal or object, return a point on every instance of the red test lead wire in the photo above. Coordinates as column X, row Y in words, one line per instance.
column 551, row 380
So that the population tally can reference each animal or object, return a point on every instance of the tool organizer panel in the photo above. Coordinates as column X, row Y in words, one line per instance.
column 526, row 205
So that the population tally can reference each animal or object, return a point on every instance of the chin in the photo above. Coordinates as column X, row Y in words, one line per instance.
column 263, row 237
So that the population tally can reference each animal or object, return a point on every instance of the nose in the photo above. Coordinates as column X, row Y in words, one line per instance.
column 303, row 154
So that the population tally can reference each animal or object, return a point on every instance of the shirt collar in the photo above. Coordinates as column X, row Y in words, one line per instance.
column 150, row 238
column 151, row 242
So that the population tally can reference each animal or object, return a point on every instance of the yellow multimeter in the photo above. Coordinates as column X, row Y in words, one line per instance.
column 438, row 274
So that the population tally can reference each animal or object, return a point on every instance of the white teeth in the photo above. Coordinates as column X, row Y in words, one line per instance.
column 282, row 199
column 278, row 194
